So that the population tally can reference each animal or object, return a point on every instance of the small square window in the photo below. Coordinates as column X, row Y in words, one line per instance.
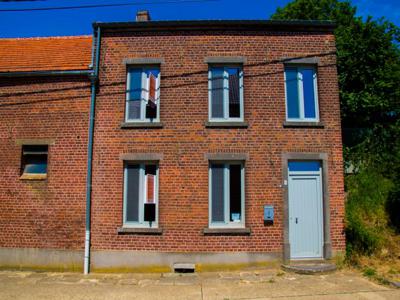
column 140, row 195
column 143, row 94
column 34, row 160
column 301, row 94
column 226, row 194
column 226, row 93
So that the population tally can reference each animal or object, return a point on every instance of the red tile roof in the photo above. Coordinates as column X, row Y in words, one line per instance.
column 45, row 54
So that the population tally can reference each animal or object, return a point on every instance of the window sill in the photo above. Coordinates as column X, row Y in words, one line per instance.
column 126, row 125
column 292, row 124
column 145, row 231
column 33, row 177
column 226, row 231
column 228, row 124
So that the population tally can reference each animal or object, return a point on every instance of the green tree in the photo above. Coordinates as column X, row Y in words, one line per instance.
column 368, row 62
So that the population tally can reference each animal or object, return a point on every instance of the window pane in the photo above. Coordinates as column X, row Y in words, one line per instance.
column 217, row 93
column 308, row 89
column 35, row 164
column 34, row 159
column 134, row 93
column 134, row 109
column 292, row 94
column 151, row 107
column 234, row 95
column 217, row 194
column 304, row 165
column 132, row 193
column 150, row 175
column 235, row 193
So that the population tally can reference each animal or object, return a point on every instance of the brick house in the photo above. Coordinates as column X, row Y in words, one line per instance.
column 44, row 108
column 214, row 142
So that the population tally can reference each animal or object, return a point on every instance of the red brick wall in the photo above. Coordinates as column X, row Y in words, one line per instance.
column 183, row 182
column 49, row 213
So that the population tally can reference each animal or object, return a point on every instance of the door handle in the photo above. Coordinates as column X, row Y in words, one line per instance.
column 296, row 220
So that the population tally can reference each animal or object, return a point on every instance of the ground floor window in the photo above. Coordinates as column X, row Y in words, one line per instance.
column 34, row 160
column 141, row 195
column 226, row 194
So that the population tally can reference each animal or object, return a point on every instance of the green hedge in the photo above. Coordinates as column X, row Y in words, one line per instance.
column 366, row 215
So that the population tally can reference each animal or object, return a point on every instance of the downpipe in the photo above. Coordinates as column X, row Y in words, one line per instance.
column 94, row 81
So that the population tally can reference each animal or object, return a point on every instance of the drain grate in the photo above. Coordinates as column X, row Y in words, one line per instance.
column 184, row 268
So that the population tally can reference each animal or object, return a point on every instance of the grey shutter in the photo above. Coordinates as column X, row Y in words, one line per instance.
column 134, row 94
column 132, row 190
column 217, row 195
column 234, row 97
column 217, row 93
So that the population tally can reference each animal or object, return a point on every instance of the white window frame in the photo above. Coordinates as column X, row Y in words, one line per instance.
column 226, row 117
column 144, row 95
column 227, row 223
column 142, row 196
column 300, row 92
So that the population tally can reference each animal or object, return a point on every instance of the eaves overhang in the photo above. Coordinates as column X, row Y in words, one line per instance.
column 227, row 25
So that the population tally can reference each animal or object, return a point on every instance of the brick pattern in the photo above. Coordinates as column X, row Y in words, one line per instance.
column 45, row 213
column 183, row 141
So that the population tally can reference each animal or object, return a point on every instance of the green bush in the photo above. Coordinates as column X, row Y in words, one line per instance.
column 369, row 272
column 366, row 216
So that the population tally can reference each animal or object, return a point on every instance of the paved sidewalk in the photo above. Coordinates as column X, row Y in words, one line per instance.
column 255, row 284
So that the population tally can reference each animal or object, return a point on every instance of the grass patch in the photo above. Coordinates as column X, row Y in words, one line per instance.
column 369, row 272
column 280, row 274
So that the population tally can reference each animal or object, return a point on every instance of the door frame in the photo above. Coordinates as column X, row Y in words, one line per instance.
column 323, row 158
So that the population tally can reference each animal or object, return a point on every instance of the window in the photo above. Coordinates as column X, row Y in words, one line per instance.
column 225, row 94
column 301, row 94
column 143, row 94
column 140, row 195
column 34, row 160
column 226, row 195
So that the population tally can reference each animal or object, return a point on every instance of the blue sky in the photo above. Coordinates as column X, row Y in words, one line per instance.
column 78, row 21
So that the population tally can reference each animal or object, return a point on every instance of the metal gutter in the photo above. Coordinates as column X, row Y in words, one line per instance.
column 45, row 73
column 273, row 25
column 94, row 80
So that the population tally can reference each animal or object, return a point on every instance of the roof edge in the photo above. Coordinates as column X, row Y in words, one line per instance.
column 55, row 37
column 46, row 73
column 275, row 25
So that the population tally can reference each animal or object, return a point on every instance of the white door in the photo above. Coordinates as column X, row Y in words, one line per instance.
column 305, row 210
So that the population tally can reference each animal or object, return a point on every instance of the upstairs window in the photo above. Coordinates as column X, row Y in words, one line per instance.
column 34, row 160
column 225, row 94
column 143, row 94
column 140, row 195
column 301, row 94
column 226, row 195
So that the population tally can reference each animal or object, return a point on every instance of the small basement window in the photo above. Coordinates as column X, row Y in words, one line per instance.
column 34, row 160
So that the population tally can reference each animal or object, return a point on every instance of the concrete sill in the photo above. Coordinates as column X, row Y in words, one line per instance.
column 226, row 124
column 226, row 231
column 145, row 231
column 127, row 125
column 289, row 124
column 33, row 177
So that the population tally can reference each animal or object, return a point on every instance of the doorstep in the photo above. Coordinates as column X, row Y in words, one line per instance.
column 310, row 267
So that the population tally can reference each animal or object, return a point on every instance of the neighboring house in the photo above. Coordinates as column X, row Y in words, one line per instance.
column 215, row 142
column 44, row 115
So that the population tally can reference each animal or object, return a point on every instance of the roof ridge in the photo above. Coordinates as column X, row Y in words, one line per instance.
column 47, row 37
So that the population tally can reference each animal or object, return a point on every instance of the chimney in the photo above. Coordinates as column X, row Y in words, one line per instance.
column 142, row 16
